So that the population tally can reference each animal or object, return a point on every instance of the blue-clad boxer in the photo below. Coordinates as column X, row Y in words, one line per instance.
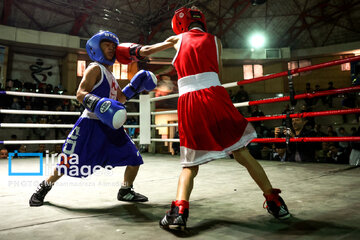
column 98, row 138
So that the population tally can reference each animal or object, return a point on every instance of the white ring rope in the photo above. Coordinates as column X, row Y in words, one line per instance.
column 47, row 125
column 165, row 140
column 36, row 112
column 10, row 142
column 165, row 125
column 43, row 95
column 46, row 95
column 164, row 112
column 34, row 125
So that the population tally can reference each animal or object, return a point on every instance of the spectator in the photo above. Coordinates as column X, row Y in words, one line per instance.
column 321, row 155
column 4, row 153
column 242, row 96
column 316, row 99
column 300, row 151
column 329, row 98
column 336, row 155
column 57, row 150
column 41, row 133
column 344, row 145
column 317, row 130
column 22, row 149
column 280, row 152
column 308, row 101
column 41, row 149
column 331, row 132
column 256, row 112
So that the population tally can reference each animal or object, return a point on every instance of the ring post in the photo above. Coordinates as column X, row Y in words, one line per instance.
column 145, row 119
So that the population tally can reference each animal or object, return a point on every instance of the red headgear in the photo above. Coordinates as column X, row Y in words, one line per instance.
column 183, row 17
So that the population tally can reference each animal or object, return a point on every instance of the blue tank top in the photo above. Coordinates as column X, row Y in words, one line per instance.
column 106, row 87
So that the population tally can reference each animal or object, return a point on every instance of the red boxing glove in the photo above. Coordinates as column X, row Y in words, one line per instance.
column 128, row 52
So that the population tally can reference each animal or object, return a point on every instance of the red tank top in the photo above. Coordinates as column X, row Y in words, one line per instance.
column 198, row 53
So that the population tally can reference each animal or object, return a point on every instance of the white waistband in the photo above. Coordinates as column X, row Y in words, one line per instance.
column 197, row 82
column 87, row 114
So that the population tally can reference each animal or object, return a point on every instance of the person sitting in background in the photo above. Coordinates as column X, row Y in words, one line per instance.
column 329, row 98
column 317, row 130
column 308, row 89
column 22, row 148
column 344, row 145
column 280, row 152
column 57, row 149
column 41, row 149
column 41, row 133
column 316, row 99
column 4, row 153
column 299, row 151
column 331, row 132
column 336, row 155
column 321, row 155
column 256, row 112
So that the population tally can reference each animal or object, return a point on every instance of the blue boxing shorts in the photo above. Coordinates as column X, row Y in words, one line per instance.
column 92, row 145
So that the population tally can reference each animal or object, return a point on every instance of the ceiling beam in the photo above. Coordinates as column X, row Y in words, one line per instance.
column 80, row 21
column 30, row 16
column 236, row 16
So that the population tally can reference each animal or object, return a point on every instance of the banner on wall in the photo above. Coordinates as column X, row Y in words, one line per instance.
column 37, row 70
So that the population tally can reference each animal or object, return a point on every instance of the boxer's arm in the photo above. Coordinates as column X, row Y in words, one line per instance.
column 90, row 78
column 220, row 60
column 120, row 96
column 168, row 43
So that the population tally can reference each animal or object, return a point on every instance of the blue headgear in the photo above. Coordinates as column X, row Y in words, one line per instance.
column 93, row 46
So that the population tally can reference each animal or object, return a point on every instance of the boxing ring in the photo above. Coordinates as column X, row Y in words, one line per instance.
column 323, row 198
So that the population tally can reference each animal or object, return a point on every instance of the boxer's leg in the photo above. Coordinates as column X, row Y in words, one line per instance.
column 37, row 199
column 274, row 203
column 126, row 193
column 177, row 216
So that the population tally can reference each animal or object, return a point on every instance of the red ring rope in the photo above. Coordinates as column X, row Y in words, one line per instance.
column 306, row 95
column 305, row 114
column 307, row 139
column 298, row 70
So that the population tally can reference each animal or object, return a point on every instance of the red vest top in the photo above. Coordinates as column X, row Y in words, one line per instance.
column 198, row 53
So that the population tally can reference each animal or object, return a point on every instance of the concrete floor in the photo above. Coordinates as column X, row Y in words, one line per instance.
column 225, row 204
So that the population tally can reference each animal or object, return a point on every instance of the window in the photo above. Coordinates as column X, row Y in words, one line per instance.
column 299, row 64
column 81, row 66
column 120, row 71
column 253, row 71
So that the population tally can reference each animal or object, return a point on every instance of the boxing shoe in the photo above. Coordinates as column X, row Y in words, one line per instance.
column 37, row 199
column 275, row 205
column 128, row 195
column 176, row 217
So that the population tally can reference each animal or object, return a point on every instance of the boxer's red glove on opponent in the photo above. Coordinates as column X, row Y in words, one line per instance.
column 128, row 52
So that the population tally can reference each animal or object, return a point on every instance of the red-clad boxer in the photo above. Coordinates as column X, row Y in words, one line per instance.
column 210, row 127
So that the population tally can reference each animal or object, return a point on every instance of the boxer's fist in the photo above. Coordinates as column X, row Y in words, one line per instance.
column 128, row 52
column 143, row 80
column 109, row 111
